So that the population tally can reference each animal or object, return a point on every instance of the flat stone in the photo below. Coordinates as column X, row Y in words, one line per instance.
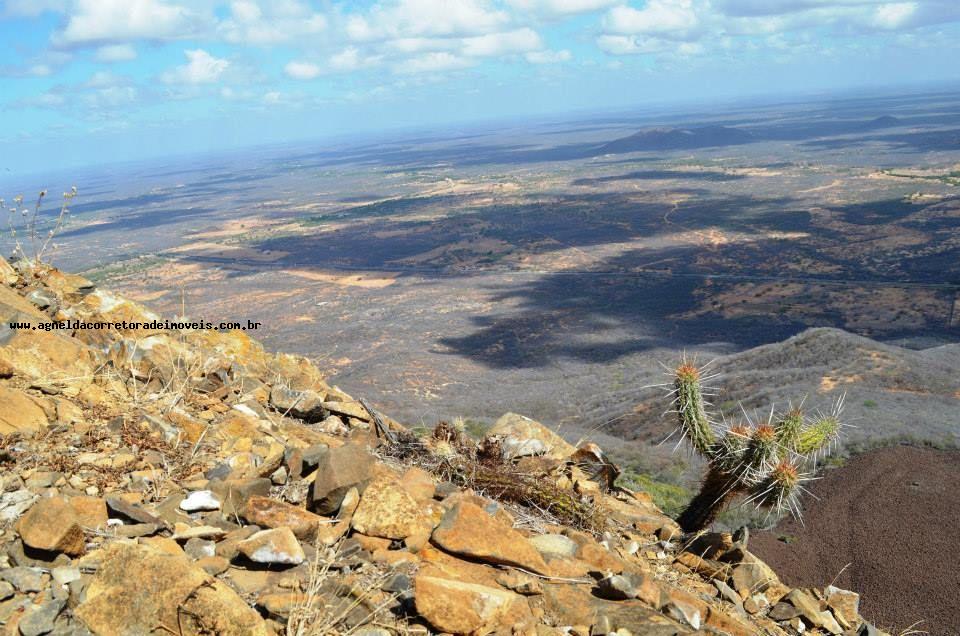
column 199, row 548
column 52, row 525
column 277, row 545
column 270, row 513
column 845, row 605
column 523, row 436
column 14, row 504
column 138, row 588
column 555, row 545
column 39, row 619
column 234, row 493
column 469, row 531
column 20, row 412
column 200, row 501
column 24, row 579
column 457, row 607
column 387, row 510
column 339, row 470
column 184, row 532
column 6, row 590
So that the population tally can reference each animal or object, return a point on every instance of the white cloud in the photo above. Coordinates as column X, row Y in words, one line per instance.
column 201, row 68
column 115, row 53
column 124, row 20
column 300, row 70
column 352, row 59
column 661, row 17
column 271, row 22
column 494, row 44
column 548, row 57
column 433, row 63
column 554, row 8
column 415, row 18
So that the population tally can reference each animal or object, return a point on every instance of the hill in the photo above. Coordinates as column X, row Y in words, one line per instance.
column 168, row 479
column 890, row 393
column 660, row 139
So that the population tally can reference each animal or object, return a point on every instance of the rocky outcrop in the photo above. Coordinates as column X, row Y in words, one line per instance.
column 191, row 482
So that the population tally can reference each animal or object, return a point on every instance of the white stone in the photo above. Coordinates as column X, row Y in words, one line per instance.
column 200, row 500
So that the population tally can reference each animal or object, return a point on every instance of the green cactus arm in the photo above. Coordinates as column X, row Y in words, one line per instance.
column 780, row 490
column 762, row 454
column 691, row 410
column 818, row 435
column 789, row 429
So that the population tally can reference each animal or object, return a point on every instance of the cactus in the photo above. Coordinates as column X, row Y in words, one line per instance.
column 763, row 463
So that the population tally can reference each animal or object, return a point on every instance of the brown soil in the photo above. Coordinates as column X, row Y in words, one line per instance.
column 894, row 516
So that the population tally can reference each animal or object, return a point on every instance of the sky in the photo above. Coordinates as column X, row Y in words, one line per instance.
column 90, row 82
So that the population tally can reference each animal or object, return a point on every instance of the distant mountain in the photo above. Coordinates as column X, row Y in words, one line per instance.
column 656, row 139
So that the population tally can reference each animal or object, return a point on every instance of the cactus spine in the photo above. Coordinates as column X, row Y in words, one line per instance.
column 761, row 462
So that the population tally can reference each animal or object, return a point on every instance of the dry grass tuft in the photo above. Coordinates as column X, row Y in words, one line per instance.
column 481, row 468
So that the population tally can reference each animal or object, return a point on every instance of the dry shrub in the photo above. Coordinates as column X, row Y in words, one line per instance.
column 481, row 467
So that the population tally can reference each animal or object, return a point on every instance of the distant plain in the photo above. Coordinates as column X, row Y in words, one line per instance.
column 552, row 267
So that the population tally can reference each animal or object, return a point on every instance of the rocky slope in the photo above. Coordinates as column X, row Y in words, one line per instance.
column 189, row 482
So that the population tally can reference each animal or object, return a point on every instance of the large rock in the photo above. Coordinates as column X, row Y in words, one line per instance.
column 456, row 607
column 57, row 524
column 387, row 510
column 270, row 513
column 142, row 590
column 469, row 531
column 275, row 546
column 20, row 413
column 523, row 436
column 339, row 470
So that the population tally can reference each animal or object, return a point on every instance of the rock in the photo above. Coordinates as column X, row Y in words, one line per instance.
column 39, row 619
column 198, row 549
column 200, row 501
column 52, row 525
column 457, row 607
column 387, row 510
column 305, row 405
column 419, row 484
column 14, row 504
column 555, row 545
column 24, row 579
column 810, row 610
column 6, row 590
column 727, row 593
column 138, row 588
column 339, row 470
column 133, row 512
column 845, row 605
column 520, row 583
column 783, row 612
column 20, row 413
column 276, row 546
column 469, row 531
column 65, row 575
column 184, row 532
column 616, row 588
column 234, row 493
column 752, row 575
column 270, row 513
column 523, row 436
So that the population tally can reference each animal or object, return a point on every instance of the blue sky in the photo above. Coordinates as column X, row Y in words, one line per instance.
column 86, row 82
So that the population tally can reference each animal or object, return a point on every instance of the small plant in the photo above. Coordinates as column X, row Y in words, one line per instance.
column 25, row 225
column 762, row 462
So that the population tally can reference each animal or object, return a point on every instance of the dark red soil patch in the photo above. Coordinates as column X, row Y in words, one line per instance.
column 894, row 516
